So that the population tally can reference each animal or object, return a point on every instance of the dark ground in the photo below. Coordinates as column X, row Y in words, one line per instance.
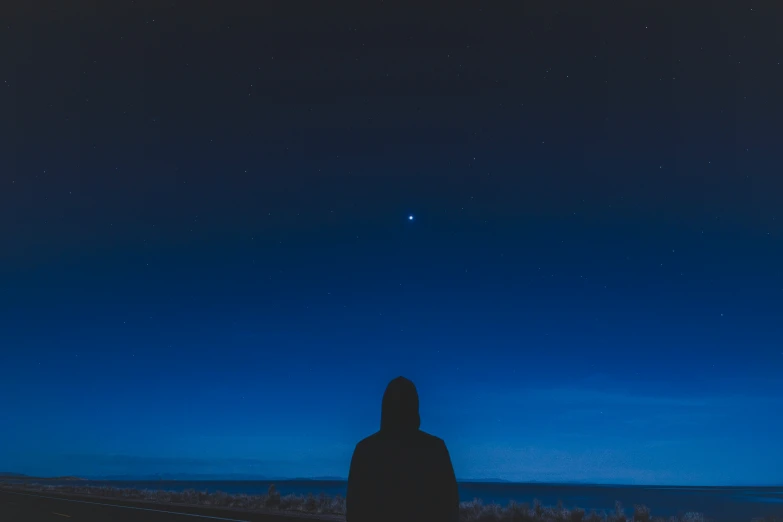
column 34, row 507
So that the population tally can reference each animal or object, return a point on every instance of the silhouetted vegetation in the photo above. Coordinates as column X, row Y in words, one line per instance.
column 333, row 507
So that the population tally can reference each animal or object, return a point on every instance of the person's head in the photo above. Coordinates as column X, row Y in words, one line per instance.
column 400, row 408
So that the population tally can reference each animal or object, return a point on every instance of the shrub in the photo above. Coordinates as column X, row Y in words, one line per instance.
column 272, row 499
column 473, row 511
column 310, row 504
column 641, row 514
column 619, row 513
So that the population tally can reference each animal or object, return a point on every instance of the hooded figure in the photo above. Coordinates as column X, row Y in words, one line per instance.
column 400, row 473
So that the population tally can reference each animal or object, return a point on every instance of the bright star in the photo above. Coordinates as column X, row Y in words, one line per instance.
column 410, row 218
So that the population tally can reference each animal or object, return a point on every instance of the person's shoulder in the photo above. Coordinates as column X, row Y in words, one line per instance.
column 368, row 441
column 431, row 440
column 378, row 439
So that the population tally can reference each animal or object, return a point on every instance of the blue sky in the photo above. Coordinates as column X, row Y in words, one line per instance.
column 207, row 265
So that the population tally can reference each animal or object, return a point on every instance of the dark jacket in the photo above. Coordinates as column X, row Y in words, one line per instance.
column 400, row 473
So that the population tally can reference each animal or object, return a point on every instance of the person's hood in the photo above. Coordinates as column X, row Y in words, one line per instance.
column 400, row 408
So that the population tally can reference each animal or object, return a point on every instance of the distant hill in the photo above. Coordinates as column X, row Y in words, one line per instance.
column 324, row 478
column 183, row 477
column 23, row 476
column 186, row 477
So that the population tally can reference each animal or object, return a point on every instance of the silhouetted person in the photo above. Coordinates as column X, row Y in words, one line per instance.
column 400, row 473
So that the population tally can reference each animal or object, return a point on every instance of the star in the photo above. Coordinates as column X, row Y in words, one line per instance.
column 410, row 217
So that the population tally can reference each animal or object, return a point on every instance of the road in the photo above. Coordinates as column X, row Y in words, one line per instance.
column 32, row 506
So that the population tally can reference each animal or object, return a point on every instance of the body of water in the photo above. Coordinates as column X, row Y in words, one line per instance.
column 722, row 504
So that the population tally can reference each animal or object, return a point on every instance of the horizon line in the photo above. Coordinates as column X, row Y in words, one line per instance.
column 493, row 480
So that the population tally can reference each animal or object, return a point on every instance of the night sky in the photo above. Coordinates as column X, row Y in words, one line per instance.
column 208, row 266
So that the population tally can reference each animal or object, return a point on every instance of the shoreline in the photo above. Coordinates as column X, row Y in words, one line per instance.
column 51, row 492
column 323, row 507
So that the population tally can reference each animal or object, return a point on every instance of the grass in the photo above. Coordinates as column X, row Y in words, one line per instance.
column 473, row 511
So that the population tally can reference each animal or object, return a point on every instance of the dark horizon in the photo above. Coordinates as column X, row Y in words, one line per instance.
column 224, row 229
column 184, row 478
